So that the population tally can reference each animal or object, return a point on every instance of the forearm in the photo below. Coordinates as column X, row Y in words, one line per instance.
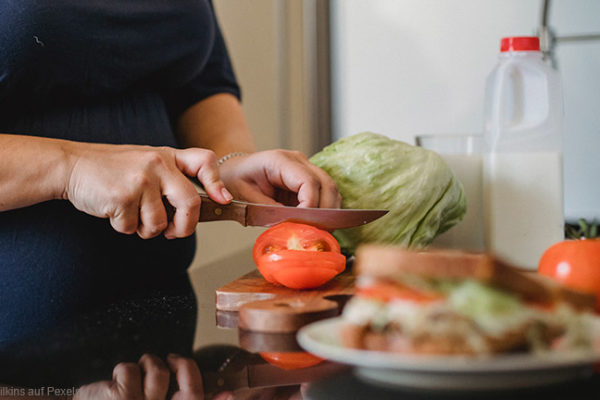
column 216, row 123
column 32, row 170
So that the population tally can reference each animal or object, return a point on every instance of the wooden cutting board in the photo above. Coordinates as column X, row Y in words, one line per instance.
column 264, row 307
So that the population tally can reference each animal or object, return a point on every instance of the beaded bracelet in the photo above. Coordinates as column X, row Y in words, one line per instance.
column 230, row 155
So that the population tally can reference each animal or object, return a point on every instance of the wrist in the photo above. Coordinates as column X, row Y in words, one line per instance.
column 69, row 155
column 229, row 156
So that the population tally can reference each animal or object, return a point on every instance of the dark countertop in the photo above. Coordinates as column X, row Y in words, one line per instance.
column 229, row 358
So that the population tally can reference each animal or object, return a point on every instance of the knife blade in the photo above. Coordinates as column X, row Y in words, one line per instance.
column 252, row 214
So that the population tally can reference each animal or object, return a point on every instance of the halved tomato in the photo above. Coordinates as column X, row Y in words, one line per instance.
column 298, row 256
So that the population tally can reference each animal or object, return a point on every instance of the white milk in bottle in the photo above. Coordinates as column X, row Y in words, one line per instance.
column 523, row 189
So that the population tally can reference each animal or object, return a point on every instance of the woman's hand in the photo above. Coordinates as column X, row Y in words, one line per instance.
column 149, row 380
column 128, row 185
column 280, row 177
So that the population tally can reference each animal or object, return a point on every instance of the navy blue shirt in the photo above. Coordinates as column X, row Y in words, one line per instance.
column 105, row 71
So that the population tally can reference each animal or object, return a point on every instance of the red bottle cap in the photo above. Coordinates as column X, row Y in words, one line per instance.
column 520, row 43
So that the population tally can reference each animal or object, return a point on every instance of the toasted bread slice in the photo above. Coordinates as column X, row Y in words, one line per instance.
column 387, row 262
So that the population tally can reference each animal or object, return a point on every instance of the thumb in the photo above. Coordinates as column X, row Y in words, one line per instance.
column 202, row 164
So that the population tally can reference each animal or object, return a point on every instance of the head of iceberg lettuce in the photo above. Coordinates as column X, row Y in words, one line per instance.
column 422, row 194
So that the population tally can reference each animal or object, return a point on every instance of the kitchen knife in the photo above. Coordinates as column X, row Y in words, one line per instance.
column 251, row 214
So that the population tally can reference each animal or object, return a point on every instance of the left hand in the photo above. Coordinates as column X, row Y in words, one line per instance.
column 280, row 177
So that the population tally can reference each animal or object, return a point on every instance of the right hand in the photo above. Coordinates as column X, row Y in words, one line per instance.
column 127, row 183
column 149, row 380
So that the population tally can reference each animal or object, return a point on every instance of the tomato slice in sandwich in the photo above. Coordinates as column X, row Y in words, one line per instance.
column 388, row 291
column 298, row 256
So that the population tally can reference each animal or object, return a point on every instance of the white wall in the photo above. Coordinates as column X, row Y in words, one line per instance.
column 579, row 64
column 409, row 67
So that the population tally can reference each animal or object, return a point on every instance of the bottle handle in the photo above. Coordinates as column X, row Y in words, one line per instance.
column 519, row 121
column 498, row 105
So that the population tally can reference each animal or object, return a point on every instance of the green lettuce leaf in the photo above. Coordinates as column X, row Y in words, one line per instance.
column 475, row 299
column 416, row 185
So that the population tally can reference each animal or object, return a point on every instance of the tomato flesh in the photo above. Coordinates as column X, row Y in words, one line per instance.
column 298, row 256
column 576, row 264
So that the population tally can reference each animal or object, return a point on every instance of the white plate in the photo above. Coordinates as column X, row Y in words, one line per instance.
column 447, row 372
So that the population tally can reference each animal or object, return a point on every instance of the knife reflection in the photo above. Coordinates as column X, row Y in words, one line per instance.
column 229, row 368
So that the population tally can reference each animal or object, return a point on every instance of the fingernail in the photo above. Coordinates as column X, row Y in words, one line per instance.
column 173, row 355
column 226, row 194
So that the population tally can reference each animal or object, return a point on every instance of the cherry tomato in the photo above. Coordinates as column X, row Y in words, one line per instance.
column 291, row 360
column 298, row 256
column 576, row 264
column 385, row 291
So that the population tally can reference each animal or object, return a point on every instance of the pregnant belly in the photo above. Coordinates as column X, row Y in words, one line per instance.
column 56, row 262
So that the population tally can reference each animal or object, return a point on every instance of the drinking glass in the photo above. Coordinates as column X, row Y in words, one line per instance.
column 464, row 155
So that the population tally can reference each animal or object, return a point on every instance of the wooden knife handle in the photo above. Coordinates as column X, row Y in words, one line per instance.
column 212, row 211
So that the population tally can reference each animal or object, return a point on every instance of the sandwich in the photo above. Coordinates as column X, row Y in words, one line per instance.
column 447, row 302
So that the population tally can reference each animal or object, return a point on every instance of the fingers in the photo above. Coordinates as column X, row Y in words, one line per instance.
column 309, row 193
column 314, row 187
column 329, row 197
column 294, row 175
column 146, row 214
column 181, row 194
column 125, row 219
column 269, row 176
column 127, row 379
column 125, row 183
column 153, row 216
column 188, row 376
column 156, row 377
column 202, row 164
column 319, row 185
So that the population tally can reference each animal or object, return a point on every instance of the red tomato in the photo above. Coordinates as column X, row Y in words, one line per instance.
column 389, row 291
column 298, row 256
column 576, row 264
column 291, row 360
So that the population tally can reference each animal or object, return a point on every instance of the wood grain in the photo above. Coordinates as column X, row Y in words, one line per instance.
column 264, row 307
column 253, row 287
column 212, row 211
column 255, row 342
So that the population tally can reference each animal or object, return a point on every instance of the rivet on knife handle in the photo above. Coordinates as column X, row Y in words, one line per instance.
column 212, row 211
